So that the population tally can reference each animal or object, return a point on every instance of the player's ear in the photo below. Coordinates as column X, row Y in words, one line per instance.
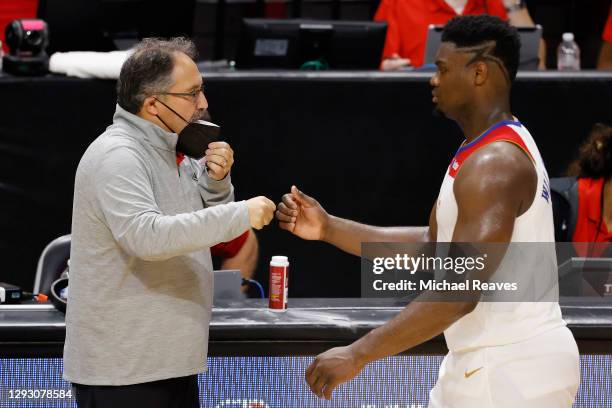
column 481, row 72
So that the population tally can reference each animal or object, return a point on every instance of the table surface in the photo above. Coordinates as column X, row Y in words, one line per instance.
column 314, row 319
column 309, row 326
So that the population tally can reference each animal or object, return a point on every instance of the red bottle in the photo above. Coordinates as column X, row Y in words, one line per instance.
column 279, row 283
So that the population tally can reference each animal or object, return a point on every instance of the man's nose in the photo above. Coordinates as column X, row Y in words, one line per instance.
column 202, row 101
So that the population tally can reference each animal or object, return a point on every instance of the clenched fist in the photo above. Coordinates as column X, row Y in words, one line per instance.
column 302, row 215
column 219, row 160
column 261, row 211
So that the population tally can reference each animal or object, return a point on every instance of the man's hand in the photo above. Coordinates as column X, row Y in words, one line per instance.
column 331, row 369
column 261, row 211
column 219, row 159
column 302, row 215
column 395, row 63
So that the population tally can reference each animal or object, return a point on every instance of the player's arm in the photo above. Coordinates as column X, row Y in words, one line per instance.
column 491, row 191
column 605, row 56
column 520, row 18
column 349, row 235
column 305, row 217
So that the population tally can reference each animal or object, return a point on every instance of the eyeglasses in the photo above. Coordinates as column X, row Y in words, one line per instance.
column 191, row 95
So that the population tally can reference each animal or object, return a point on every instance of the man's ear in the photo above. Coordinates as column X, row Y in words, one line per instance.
column 481, row 73
column 150, row 106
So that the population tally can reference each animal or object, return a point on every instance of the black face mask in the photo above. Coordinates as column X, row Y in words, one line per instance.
column 194, row 139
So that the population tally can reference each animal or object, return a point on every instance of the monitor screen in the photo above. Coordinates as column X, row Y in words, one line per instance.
column 310, row 44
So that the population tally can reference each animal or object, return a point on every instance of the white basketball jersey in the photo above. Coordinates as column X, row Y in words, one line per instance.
column 499, row 323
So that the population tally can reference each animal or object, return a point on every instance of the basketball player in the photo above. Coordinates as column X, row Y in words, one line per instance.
column 495, row 191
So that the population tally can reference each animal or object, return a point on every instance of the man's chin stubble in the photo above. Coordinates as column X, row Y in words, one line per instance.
column 201, row 115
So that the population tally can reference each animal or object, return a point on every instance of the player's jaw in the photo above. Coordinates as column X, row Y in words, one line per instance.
column 435, row 98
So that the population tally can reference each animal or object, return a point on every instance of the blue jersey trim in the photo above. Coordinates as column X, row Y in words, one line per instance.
column 489, row 130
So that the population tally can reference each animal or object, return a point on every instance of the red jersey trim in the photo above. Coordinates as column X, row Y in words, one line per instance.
column 502, row 133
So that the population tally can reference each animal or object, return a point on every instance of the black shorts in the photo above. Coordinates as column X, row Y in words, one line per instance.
column 179, row 392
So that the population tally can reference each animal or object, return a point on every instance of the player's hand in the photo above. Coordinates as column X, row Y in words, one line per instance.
column 302, row 215
column 219, row 158
column 261, row 211
column 330, row 369
column 395, row 63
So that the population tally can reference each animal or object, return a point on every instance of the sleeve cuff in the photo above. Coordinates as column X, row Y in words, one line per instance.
column 216, row 185
column 244, row 215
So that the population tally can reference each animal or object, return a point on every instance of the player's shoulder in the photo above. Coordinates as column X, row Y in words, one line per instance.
column 499, row 154
column 496, row 165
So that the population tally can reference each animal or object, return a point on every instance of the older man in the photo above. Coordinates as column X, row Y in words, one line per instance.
column 144, row 219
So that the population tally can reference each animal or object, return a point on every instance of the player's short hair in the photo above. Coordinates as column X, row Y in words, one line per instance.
column 469, row 31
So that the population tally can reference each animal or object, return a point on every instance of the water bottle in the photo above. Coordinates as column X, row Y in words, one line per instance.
column 568, row 54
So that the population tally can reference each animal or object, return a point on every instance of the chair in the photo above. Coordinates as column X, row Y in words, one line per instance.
column 51, row 264
column 564, row 194
column 54, row 259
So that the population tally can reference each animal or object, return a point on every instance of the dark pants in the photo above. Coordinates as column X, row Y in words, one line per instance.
column 171, row 393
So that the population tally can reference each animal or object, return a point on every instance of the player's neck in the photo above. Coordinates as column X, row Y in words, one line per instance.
column 479, row 120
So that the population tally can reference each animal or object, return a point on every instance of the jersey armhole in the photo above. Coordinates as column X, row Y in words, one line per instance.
column 527, row 153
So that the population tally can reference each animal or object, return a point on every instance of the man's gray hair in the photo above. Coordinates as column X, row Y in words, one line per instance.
column 149, row 70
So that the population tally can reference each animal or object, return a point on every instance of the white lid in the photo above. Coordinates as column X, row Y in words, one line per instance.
column 280, row 259
column 568, row 37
